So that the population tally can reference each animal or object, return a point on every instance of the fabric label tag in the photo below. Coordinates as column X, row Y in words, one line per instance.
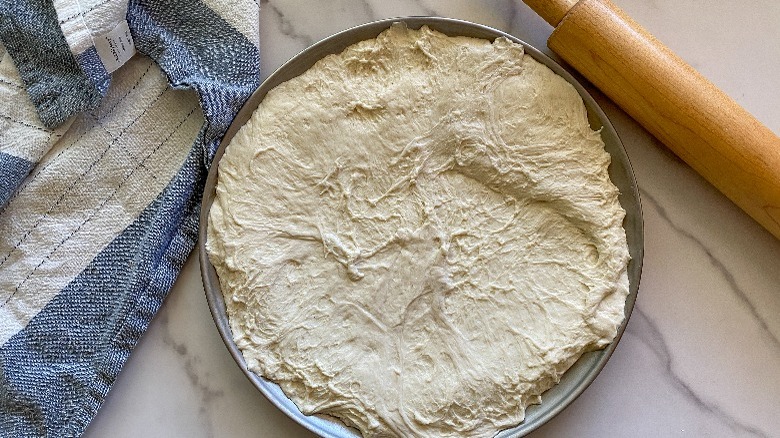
column 115, row 47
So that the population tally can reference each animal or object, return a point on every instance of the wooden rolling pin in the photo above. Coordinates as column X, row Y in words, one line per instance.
column 698, row 122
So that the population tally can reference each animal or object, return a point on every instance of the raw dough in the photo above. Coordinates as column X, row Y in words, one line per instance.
column 419, row 235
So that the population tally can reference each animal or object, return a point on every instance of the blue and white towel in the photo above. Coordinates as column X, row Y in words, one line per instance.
column 110, row 113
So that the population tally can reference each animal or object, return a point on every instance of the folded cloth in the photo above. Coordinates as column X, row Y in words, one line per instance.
column 103, row 158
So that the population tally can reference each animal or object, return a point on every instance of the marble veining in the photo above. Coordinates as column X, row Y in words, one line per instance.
column 368, row 10
column 426, row 10
column 722, row 269
column 285, row 26
column 647, row 331
column 198, row 378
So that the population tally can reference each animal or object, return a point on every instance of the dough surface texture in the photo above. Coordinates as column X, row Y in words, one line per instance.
column 419, row 235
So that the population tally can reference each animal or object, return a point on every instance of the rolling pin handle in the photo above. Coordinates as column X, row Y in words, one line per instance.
column 552, row 11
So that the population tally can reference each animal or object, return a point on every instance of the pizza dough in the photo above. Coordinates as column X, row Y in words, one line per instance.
column 419, row 235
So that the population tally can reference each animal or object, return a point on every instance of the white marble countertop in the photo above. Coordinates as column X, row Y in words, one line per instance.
column 701, row 354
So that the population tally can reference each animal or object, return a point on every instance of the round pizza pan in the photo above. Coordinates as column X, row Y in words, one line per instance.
column 579, row 376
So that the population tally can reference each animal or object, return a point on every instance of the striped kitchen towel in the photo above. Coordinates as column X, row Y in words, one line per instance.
column 110, row 113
